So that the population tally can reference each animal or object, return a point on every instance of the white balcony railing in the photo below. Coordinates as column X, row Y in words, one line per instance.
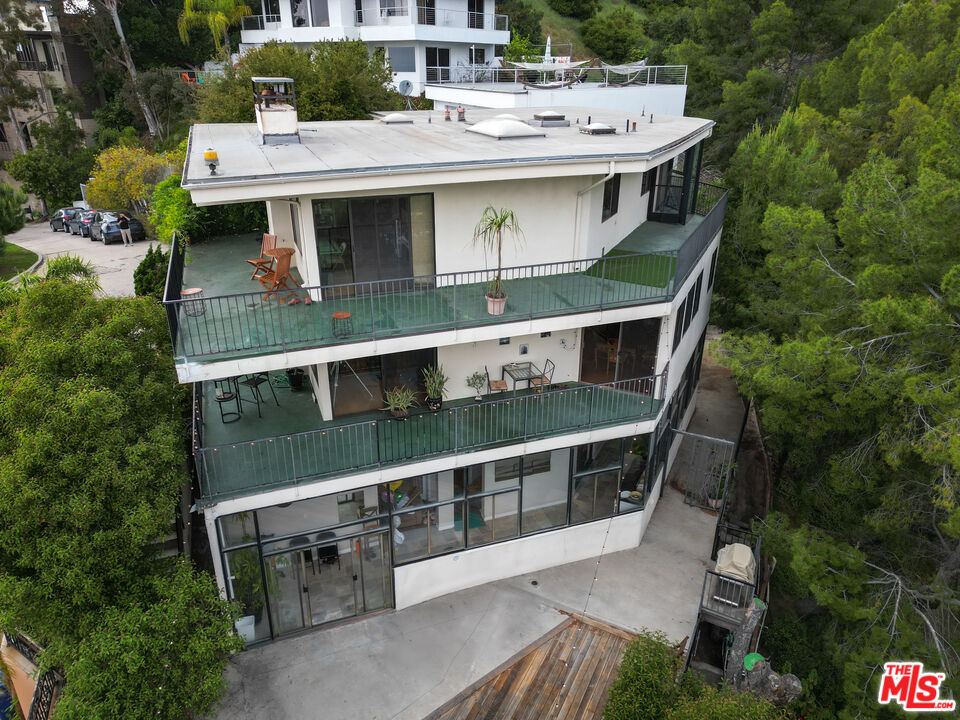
column 431, row 16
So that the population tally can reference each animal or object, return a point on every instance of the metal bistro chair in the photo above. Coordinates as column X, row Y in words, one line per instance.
column 494, row 385
column 546, row 379
column 264, row 263
column 254, row 381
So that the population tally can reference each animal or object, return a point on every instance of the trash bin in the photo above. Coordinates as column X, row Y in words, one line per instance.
column 296, row 377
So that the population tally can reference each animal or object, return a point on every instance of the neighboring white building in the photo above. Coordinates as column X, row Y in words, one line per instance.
column 319, row 505
column 657, row 89
column 425, row 40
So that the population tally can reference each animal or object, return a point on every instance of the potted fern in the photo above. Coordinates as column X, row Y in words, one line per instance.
column 436, row 383
column 489, row 233
column 399, row 400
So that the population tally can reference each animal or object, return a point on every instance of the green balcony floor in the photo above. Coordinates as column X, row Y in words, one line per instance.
column 237, row 322
column 291, row 443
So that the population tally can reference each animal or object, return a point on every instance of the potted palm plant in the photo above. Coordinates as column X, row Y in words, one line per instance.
column 477, row 381
column 436, row 383
column 489, row 233
column 399, row 401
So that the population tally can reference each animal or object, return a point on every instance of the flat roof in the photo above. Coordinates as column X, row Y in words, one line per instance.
column 335, row 149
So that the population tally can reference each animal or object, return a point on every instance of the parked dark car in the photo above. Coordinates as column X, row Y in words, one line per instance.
column 79, row 224
column 104, row 227
column 61, row 217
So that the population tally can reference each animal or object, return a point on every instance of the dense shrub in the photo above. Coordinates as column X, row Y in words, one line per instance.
column 646, row 685
column 724, row 704
column 615, row 35
column 579, row 9
column 149, row 277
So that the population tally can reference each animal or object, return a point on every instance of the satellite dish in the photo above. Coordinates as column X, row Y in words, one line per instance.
column 405, row 87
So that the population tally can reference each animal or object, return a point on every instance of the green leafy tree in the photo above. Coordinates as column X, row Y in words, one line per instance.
column 61, row 161
column 646, row 684
column 525, row 20
column 333, row 81
column 216, row 15
column 579, row 9
column 12, row 201
column 723, row 704
column 88, row 482
column 172, row 211
column 174, row 637
column 615, row 35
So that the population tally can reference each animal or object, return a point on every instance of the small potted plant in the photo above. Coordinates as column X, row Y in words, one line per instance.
column 489, row 233
column 399, row 401
column 436, row 383
column 477, row 381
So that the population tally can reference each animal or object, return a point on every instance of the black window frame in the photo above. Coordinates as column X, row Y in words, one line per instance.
column 611, row 198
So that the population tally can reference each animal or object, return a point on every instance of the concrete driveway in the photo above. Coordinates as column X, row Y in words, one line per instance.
column 114, row 263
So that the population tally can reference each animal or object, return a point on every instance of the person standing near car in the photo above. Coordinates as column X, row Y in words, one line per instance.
column 123, row 222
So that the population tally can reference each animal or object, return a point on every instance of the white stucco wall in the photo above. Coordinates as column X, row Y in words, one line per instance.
column 459, row 361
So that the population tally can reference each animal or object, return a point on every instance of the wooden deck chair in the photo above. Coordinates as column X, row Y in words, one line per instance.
column 277, row 279
column 263, row 264
column 494, row 385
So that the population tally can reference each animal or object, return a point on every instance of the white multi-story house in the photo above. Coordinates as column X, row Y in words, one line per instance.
column 424, row 40
column 319, row 504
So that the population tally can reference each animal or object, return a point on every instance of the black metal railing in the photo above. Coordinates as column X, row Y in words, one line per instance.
column 345, row 448
column 173, row 286
column 50, row 683
column 726, row 597
column 728, row 534
column 259, row 22
column 40, row 65
column 253, row 323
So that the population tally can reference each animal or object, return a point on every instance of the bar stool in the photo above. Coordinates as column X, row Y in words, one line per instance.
column 198, row 306
column 227, row 396
column 254, row 382
column 342, row 324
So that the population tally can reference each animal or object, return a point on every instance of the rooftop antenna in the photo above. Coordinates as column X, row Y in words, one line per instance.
column 406, row 89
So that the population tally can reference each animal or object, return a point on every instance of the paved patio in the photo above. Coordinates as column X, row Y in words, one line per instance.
column 404, row 664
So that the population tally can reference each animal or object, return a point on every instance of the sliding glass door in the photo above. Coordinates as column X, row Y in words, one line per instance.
column 374, row 239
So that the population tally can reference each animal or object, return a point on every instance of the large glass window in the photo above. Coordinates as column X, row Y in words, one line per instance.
column 244, row 580
column 546, row 481
column 403, row 59
column 594, row 496
column 438, row 64
column 492, row 517
column 611, row 197
column 319, row 13
column 374, row 238
column 358, row 385
column 429, row 531
column 299, row 10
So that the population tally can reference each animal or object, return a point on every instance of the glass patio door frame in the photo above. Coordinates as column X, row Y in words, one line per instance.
column 304, row 593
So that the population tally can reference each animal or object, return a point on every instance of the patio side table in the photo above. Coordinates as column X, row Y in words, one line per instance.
column 196, row 307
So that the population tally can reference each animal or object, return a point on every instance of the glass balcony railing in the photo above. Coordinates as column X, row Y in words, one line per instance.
column 221, row 327
column 342, row 448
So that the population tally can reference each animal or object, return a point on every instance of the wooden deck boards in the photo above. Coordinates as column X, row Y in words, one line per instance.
column 564, row 674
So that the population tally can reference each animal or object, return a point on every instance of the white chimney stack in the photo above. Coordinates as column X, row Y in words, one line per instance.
column 275, row 105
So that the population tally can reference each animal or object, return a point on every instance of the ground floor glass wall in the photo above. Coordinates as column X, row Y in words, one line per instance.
column 306, row 563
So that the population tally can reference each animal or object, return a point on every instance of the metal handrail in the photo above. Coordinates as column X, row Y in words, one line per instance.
column 492, row 73
column 443, row 17
column 259, row 22
column 427, row 303
column 347, row 448
column 726, row 596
